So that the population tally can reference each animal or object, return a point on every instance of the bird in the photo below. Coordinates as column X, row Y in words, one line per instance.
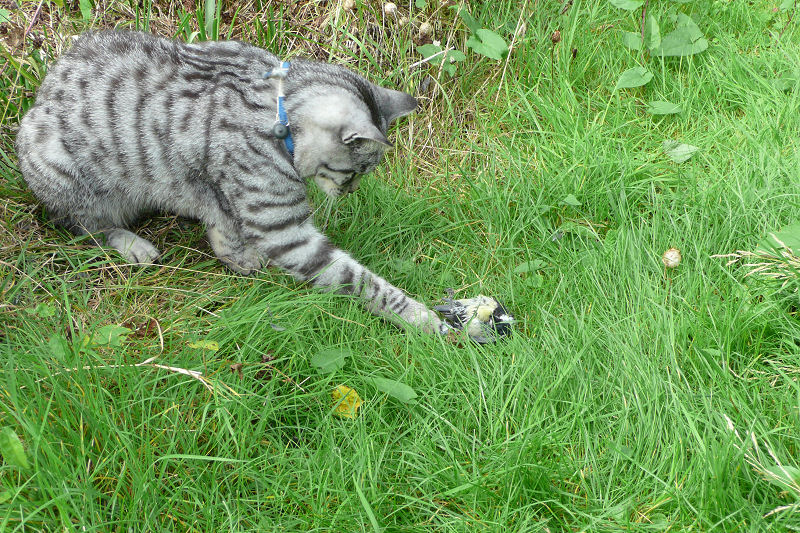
column 484, row 318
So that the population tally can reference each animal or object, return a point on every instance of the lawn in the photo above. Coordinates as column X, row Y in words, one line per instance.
column 630, row 396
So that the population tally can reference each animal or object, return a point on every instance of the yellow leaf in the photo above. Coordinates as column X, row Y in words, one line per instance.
column 211, row 346
column 346, row 402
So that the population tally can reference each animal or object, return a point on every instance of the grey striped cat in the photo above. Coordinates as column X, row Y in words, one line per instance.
column 126, row 123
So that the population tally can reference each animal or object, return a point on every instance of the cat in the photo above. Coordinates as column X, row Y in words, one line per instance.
column 127, row 123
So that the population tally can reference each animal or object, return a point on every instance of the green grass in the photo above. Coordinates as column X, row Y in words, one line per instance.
column 629, row 397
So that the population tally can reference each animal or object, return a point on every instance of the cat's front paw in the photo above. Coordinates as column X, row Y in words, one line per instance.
column 426, row 320
column 245, row 263
column 135, row 249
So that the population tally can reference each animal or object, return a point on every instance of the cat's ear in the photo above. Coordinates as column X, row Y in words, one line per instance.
column 365, row 132
column 395, row 104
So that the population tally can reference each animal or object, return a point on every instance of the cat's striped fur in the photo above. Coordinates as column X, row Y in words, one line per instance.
column 126, row 123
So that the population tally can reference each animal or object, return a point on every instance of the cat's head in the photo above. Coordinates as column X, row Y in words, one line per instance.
column 340, row 130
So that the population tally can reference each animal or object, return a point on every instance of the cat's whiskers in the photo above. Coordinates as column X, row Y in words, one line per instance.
column 327, row 204
column 328, row 210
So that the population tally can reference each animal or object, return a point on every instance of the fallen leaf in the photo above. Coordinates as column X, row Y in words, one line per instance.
column 236, row 368
column 265, row 373
column 346, row 402
column 211, row 346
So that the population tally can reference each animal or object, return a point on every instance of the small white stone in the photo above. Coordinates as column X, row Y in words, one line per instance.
column 349, row 5
column 402, row 21
column 671, row 258
column 390, row 8
column 425, row 29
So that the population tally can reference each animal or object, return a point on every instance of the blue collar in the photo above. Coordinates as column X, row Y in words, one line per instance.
column 280, row 73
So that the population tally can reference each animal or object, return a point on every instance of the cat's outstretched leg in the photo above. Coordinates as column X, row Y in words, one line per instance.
column 309, row 255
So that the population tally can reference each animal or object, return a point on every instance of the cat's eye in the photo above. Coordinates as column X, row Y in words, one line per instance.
column 356, row 144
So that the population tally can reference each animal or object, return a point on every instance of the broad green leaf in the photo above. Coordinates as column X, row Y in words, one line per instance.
column 571, row 200
column 5, row 496
column 428, row 50
column 678, row 151
column 395, row 389
column 611, row 236
column 42, row 310
column 210, row 12
column 534, row 281
column 447, row 279
column 403, row 266
column 786, row 237
column 488, row 43
column 449, row 58
column 628, row 5
column 783, row 476
column 660, row 107
column 455, row 56
column 787, row 5
column 529, row 266
column 11, row 448
column 659, row 521
column 469, row 20
column 634, row 77
column 784, row 83
column 21, row 69
column 5, row 16
column 211, row 346
column 110, row 335
column 686, row 22
column 652, row 33
column 579, row 230
column 421, row 4
column 632, row 40
column 330, row 360
column 86, row 9
column 686, row 40
column 58, row 346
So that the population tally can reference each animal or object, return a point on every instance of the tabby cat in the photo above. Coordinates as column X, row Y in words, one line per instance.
column 126, row 123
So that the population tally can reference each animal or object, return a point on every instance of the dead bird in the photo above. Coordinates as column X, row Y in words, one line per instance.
column 484, row 318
